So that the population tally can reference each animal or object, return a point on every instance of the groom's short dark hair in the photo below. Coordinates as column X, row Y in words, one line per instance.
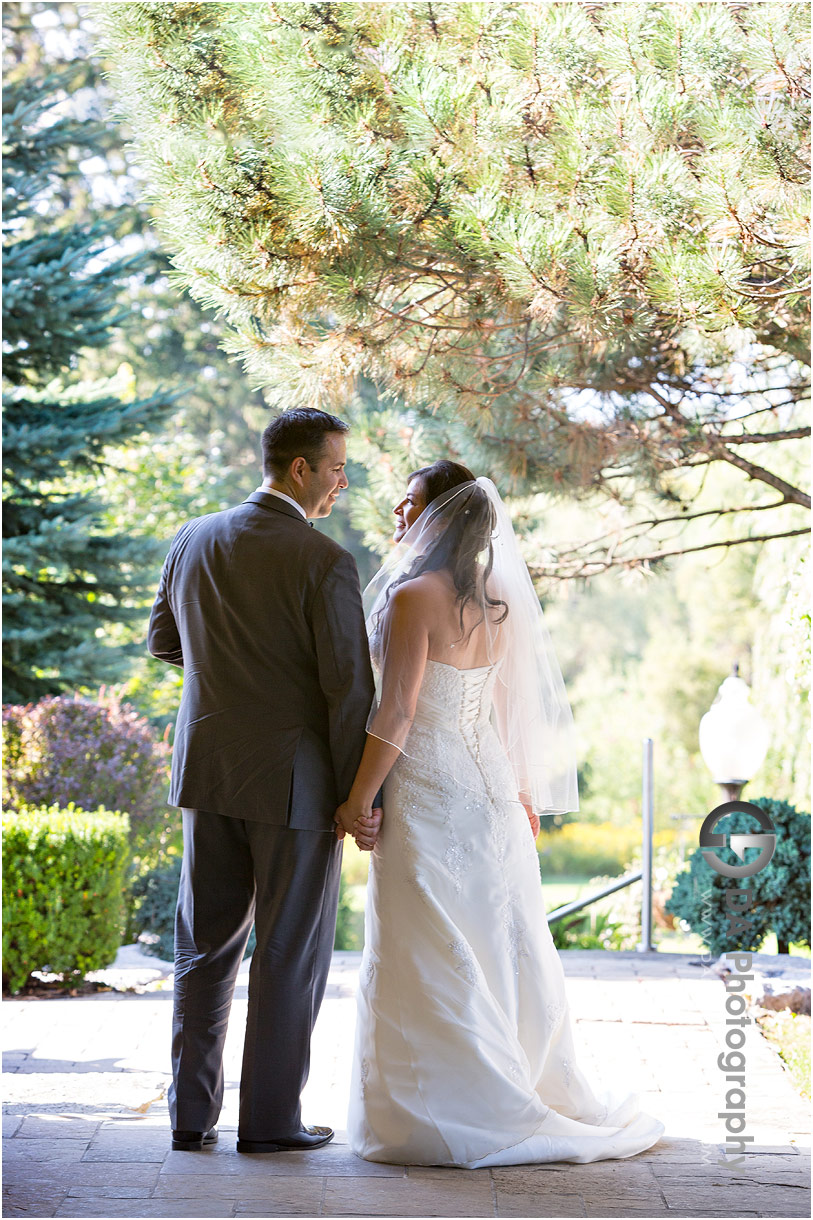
column 297, row 433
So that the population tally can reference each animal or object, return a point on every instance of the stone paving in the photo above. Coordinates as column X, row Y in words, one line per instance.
column 86, row 1127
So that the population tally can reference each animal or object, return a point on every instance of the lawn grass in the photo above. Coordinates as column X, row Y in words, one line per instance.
column 562, row 889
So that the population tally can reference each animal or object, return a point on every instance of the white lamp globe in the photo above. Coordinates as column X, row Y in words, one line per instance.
column 733, row 736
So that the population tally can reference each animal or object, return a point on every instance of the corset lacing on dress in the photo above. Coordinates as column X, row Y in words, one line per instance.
column 454, row 699
column 457, row 702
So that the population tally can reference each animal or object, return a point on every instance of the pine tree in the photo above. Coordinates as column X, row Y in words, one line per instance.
column 566, row 239
column 165, row 332
column 67, row 582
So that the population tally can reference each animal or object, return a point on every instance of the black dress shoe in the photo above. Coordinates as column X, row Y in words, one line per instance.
column 306, row 1137
column 193, row 1141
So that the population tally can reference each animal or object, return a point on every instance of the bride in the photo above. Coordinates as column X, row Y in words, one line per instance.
column 464, row 1052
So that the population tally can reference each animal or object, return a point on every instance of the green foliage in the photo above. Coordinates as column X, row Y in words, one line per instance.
column 349, row 920
column 65, row 750
column 779, row 901
column 644, row 656
column 782, row 648
column 789, row 1033
column 587, row 849
column 783, row 888
column 483, row 211
column 208, row 456
column 355, row 863
column 154, row 897
column 66, row 578
column 591, row 931
column 63, row 886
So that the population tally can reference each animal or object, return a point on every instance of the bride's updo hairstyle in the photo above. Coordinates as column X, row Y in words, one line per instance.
column 439, row 477
column 467, row 535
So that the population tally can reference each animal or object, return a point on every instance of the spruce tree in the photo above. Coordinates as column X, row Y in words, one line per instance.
column 67, row 582
column 566, row 240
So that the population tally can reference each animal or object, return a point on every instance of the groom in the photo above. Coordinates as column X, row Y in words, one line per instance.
column 264, row 616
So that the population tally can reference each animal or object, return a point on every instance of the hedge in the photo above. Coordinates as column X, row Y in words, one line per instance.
column 63, row 891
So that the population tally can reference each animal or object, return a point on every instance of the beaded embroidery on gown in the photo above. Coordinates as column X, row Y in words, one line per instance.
column 464, row 1053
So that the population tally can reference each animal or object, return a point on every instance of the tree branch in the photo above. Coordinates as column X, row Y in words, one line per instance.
column 718, row 451
column 707, row 512
column 777, row 406
column 760, row 438
column 793, row 495
column 595, row 566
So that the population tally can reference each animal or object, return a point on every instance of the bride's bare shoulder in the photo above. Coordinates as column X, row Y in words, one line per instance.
column 422, row 592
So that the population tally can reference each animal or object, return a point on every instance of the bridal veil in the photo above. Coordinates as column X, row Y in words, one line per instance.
column 531, row 710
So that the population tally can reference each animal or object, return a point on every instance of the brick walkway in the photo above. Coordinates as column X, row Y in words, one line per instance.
column 86, row 1128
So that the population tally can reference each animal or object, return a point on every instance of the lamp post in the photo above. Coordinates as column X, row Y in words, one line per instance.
column 733, row 737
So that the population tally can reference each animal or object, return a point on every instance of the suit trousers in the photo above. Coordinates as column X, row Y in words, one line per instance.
column 287, row 882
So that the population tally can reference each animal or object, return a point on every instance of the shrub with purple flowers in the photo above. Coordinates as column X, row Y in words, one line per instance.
column 65, row 749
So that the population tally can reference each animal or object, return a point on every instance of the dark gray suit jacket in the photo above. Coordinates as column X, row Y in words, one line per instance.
column 264, row 615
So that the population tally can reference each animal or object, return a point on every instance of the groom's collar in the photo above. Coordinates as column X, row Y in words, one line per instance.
column 283, row 495
column 280, row 503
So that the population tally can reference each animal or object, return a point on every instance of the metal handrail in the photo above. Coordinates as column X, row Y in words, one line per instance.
column 571, row 907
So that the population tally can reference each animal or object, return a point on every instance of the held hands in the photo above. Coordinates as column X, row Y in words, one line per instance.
column 364, row 826
column 367, row 829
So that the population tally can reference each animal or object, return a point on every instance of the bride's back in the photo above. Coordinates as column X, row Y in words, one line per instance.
column 465, row 637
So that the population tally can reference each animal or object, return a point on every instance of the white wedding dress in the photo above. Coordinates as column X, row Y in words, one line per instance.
column 464, row 1053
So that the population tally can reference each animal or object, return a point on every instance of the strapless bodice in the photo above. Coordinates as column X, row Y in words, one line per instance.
column 454, row 699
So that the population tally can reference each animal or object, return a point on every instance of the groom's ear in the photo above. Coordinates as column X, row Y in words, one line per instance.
column 297, row 469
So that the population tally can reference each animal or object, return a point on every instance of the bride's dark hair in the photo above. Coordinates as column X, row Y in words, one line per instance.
column 467, row 536
column 439, row 477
